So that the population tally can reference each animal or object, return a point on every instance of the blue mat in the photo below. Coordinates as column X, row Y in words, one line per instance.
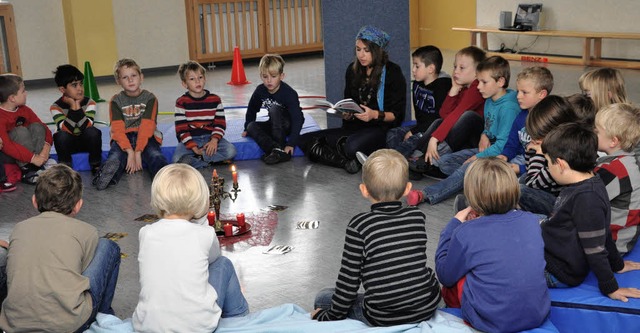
column 246, row 147
column 546, row 327
column 585, row 309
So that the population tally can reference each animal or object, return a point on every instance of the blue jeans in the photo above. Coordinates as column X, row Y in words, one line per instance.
column 151, row 156
column 223, row 278
column 452, row 165
column 395, row 140
column 553, row 282
column 323, row 301
column 103, row 276
column 536, row 201
column 226, row 151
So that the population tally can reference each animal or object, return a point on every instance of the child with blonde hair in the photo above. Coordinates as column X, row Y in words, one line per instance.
column 186, row 285
column 604, row 86
column 134, row 135
column 481, row 252
column 384, row 251
column 279, row 135
column 618, row 130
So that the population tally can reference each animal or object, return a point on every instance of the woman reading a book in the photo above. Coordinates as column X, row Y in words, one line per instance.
column 378, row 86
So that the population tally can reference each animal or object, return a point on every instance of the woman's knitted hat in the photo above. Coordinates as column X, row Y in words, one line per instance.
column 374, row 35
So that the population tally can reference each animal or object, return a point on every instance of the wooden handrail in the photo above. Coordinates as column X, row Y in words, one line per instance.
column 215, row 27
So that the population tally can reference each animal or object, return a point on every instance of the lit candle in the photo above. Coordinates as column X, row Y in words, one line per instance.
column 215, row 173
column 234, row 175
column 211, row 217
column 228, row 230
column 240, row 218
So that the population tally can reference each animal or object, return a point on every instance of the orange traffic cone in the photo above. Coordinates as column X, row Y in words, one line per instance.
column 90, row 87
column 237, row 69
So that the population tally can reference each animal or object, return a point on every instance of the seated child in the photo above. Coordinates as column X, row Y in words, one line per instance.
column 186, row 285
column 577, row 235
column 134, row 135
column 604, row 86
column 461, row 113
column 539, row 191
column 490, row 257
column 73, row 114
column 429, row 89
column 584, row 108
column 533, row 84
column 200, row 121
column 385, row 251
column 285, row 114
column 5, row 184
column 500, row 109
column 618, row 130
column 59, row 273
column 26, row 140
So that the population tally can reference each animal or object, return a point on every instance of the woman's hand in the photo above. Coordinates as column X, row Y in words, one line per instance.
column 367, row 115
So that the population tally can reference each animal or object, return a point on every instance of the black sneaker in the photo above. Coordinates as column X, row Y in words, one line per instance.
column 434, row 172
column 95, row 169
column 419, row 165
column 277, row 156
column 352, row 166
column 105, row 177
column 415, row 175
column 30, row 177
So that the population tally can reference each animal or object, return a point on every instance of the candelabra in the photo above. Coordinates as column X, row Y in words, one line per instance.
column 217, row 194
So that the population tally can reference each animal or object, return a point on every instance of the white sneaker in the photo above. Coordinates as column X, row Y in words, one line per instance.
column 361, row 157
column 49, row 163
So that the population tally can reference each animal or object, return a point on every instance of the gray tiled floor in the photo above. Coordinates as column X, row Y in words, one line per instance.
column 312, row 192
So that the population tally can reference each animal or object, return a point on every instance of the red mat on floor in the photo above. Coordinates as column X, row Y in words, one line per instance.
column 263, row 227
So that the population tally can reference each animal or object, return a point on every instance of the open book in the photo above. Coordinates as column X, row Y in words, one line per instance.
column 343, row 106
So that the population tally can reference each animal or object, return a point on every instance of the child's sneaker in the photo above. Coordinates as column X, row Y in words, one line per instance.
column 49, row 163
column 30, row 177
column 7, row 187
column 361, row 157
column 415, row 197
column 277, row 155
column 106, row 174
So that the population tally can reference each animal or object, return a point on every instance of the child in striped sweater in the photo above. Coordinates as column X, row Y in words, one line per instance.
column 385, row 251
column 200, row 122
column 74, row 114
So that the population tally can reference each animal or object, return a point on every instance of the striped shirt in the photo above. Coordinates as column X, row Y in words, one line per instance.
column 620, row 173
column 385, row 250
column 199, row 116
column 538, row 175
column 73, row 121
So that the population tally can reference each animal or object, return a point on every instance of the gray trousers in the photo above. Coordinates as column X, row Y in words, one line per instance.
column 31, row 137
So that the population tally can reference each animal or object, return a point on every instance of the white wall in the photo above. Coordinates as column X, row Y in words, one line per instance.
column 584, row 15
column 153, row 32
column 41, row 37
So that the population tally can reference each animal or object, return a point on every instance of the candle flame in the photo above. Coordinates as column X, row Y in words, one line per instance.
column 233, row 168
column 215, row 173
